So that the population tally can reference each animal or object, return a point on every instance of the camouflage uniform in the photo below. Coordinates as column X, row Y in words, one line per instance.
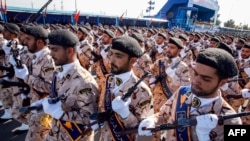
column 84, row 54
column 79, row 103
column 167, row 114
column 39, row 79
column 139, row 106
column 180, row 78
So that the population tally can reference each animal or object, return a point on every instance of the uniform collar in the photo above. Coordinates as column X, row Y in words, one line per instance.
column 38, row 54
column 65, row 68
column 120, row 80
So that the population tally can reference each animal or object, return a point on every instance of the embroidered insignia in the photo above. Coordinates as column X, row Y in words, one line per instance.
column 196, row 102
column 183, row 99
column 144, row 103
column 68, row 125
column 45, row 120
column 118, row 81
column 34, row 57
column 86, row 90
column 68, row 76
column 60, row 69
column 49, row 69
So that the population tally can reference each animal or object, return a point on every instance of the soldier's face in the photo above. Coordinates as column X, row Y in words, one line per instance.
column 120, row 62
column 22, row 38
column 159, row 40
column 245, row 53
column 213, row 44
column 31, row 43
column 59, row 55
column 6, row 34
column 105, row 39
column 205, row 82
column 171, row 50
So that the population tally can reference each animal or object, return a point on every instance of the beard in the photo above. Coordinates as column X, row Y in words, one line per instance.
column 195, row 89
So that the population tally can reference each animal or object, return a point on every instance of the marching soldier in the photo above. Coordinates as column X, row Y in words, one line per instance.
column 69, row 105
column 157, row 50
column 201, row 101
column 10, row 33
column 37, row 74
column 129, row 112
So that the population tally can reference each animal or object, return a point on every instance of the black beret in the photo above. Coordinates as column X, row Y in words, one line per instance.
column 128, row 45
column 183, row 36
column 218, row 59
column 176, row 41
column 83, row 30
column 109, row 33
column 74, row 28
column 215, row 39
column 38, row 32
column 63, row 38
column 138, row 37
column 247, row 45
column 1, row 28
column 171, row 33
column 226, row 48
column 25, row 28
column 242, row 41
column 197, row 35
column 162, row 35
column 151, row 30
column 88, row 27
column 13, row 28
column 120, row 29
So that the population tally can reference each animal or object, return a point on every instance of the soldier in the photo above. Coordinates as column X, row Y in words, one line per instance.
column 75, row 102
column 176, row 71
column 201, row 101
column 214, row 42
column 157, row 50
column 10, row 33
column 37, row 74
column 84, row 49
column 127, row 113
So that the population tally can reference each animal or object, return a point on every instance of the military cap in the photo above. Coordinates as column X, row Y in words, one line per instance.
column 231, row 37
column 242, row 41
column 24, row 28
column 176, row 41
column 197, row 35
column 13, row 28
column 83, row 30
column 128, row 45
column 215, row 39
column 171, row 33
column 38, row 32
column 226, row 48
column 1, row 28
column 218, row 59
column 74, row 28
column 247, row 45
column 109, row 33
column 162, row 35
column 183, row 36
column 151, row 31
column 63, row 38
column 138, row 37
column 120, row 29
column 88, row 27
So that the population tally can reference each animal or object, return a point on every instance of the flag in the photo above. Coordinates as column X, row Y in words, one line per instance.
column 76, row 16
column 124, row 13
column 45, row 12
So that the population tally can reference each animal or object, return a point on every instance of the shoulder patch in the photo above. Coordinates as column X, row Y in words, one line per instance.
column 86, row 90
column 142, row 104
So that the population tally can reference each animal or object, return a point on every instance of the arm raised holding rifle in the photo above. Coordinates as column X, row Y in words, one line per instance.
column 127, row 99
column 202, row 101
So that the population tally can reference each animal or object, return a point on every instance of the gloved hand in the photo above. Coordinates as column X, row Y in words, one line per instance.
column 95, row 126
column 6, row 49
column 205, row 123
column 224, row 87
column 146, row 123
column 24, row 96
column 121, row 107
column 12, row 60
column 36, row 104
column 170, row 72
column 55, row 110
column 21, row 73
column 245, row 93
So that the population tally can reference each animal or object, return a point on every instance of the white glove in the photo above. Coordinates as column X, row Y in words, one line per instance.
column 6, row 49
column 121, row 107
column 205, row 123
column 224, row 87
column 247, row 71
column 24, row 96
column 36, row 104
column 12, row 60
column 151, row 81
column 245, row 93
column 55, row 110
column 146, row 123
column 170, row 72
column 21, row 73
column 95, row 126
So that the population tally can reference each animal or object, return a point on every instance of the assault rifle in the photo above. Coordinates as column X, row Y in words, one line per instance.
column 182, row 123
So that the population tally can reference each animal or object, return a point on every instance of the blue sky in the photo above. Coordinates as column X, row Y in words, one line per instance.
column 238, row 10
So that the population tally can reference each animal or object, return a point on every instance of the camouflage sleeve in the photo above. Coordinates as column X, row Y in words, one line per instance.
column 81, row 103
column 139, row 107
column 183, row 74
column 42, row 82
